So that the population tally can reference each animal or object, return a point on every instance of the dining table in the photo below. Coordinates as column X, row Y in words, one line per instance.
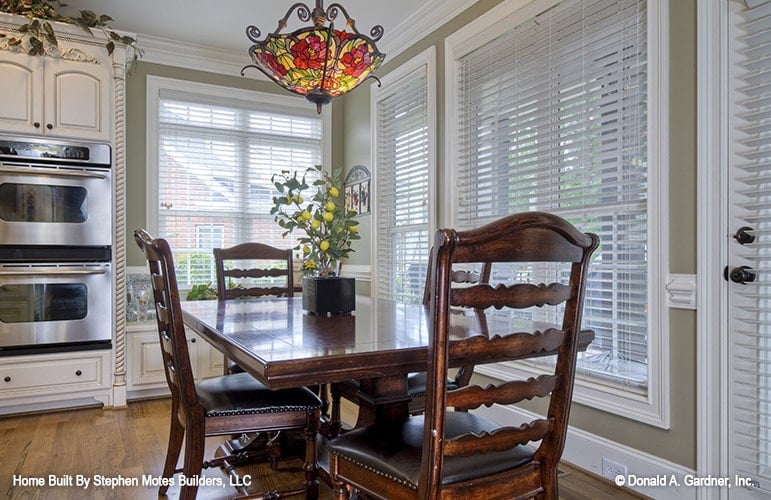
column 378, row 344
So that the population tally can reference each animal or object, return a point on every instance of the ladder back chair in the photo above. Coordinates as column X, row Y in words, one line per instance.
column 455, row 454
column 245, row 265
column 263, row 261
column 219, row 406
column 416, row 382
column 252, row 269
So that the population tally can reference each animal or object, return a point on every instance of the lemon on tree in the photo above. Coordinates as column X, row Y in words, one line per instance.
column 329, row 228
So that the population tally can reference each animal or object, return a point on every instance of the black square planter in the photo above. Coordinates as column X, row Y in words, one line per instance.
column 329, row 295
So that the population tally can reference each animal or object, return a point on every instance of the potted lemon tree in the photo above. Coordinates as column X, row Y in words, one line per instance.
column 328, row 230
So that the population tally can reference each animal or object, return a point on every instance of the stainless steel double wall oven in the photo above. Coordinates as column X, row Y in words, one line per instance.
column 55, row 245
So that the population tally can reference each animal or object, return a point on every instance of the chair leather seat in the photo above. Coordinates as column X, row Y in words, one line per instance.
column 241, row 394
column 398, row 456
column 416, row 384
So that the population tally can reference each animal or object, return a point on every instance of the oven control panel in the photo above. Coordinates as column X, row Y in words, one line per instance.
column 44, row 149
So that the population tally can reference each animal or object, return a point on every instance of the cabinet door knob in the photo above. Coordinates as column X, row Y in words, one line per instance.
column 78, row 373
column 49, row 126
column 7, row 379
column 36, row 124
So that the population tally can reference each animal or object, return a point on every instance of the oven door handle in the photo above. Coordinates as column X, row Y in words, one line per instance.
column 4, row 169
column 51, row 272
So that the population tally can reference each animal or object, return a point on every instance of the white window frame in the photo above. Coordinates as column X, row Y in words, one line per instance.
column 425, row 60
column 652, row 408
column 157, row 84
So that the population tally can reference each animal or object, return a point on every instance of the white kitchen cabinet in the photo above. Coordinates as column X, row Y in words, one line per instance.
column 53, row 380
column 144, row 364
column 59, row 97
column 75, row 91
column 210, row 362
column 144, row 368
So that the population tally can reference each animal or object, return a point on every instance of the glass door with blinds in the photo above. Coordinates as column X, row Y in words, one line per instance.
column 749, row 251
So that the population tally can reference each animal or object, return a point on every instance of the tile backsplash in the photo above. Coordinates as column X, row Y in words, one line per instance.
column 139, row 292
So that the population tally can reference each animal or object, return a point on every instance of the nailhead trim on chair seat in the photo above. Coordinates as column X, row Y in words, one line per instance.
column 397, row 456
column 395, row 479
column 242, row 394
column 254, row 411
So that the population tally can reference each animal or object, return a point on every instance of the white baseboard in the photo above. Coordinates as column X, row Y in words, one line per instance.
column 586, row 450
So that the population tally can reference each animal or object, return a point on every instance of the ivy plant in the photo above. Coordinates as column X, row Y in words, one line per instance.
column 38, row 31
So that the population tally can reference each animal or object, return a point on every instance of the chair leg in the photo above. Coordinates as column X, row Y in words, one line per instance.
column 336, row 420
column 311, row 465
column 323, row 394
column 550, row 489
column 194, row 450
column 176, row 435
column 273, row 445
column 339, row 490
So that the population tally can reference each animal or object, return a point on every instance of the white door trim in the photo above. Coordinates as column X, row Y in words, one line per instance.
column 711, row 331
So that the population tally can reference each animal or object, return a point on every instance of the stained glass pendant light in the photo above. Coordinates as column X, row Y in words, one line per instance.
column 319, row 61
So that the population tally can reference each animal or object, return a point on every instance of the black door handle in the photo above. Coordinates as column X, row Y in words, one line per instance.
column 744, row 237
column 743, row 274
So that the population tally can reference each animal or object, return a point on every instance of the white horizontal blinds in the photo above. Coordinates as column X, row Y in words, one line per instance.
column 750, row 327
column 552, row 116
column 402, row 188
column 215, row 164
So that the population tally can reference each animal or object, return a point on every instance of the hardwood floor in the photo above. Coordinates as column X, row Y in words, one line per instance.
column 123, row 446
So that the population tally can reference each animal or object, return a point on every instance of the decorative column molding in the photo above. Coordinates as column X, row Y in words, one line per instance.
column 119, row 225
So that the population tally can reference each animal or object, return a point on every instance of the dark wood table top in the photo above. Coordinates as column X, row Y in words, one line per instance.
column 283, row 346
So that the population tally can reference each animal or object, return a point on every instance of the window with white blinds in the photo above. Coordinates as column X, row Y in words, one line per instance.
column 403, row 134
column 552, row 115
column 216, row 157
column 749, row 308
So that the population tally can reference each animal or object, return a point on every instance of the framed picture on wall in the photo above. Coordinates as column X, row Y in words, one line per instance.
column 357, row 190
column 364, row 197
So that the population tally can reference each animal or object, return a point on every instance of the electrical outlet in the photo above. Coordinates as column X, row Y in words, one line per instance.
column 611, row 469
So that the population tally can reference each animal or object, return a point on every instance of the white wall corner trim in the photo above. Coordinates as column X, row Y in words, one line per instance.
column 586, row 451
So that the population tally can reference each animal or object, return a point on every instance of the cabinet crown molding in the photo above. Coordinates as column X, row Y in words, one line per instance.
column 66, row 36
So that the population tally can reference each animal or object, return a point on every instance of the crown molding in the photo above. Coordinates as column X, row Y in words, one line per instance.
column 198, row 57
column 431, row 15
column 421, row 22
